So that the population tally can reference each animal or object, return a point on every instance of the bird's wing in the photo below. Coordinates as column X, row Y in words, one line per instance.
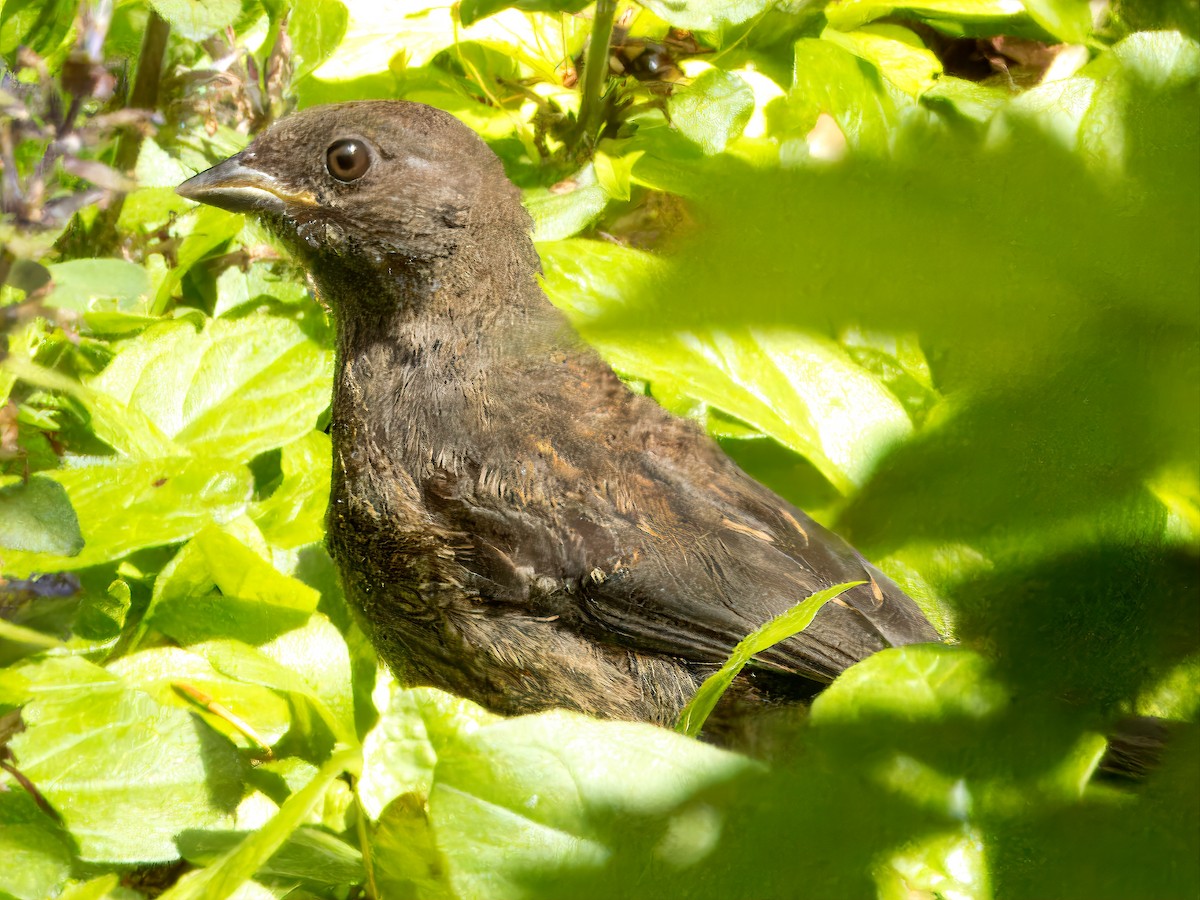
column 630, row 524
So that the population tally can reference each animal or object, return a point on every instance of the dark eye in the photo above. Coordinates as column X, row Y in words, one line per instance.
column 348, row 160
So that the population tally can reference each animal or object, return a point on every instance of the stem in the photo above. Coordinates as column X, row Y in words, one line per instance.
column 142, row 95
column 595, row 70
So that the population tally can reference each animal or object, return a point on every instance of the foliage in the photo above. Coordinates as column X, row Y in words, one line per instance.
column 928, row 269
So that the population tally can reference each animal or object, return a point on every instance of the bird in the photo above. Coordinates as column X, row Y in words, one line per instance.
column 511, row 521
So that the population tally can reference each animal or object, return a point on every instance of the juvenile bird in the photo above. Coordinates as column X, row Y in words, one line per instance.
column 513, row 523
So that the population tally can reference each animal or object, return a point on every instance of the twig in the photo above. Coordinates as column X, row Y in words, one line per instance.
column 221, row 711
column 31, row 789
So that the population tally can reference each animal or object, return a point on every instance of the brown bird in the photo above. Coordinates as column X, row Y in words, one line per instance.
column 513, row 523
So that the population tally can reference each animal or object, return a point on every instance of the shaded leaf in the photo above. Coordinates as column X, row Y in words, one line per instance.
column 36, row 516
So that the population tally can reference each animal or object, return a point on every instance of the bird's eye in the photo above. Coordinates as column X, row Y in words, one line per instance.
column 348, row 160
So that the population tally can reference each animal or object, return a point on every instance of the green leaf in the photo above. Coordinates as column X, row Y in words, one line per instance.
column 211, row 228
column 846, row 15
column 896, row 52
column 158, row 672
column 400, row 752
column 925, row 682
column 318, row 655
column 85, row 285
column 36, row 516
column 791, row 622
column 407, row 862
column 856, row 245
column 308, row 855
column 35, row 854
column 36, row 24
column 705, row 15
column 103, row 888
column 19, row 634
column 1068, row 20
column 561, row 793
column 409, row 34
column 567, row 210
column 239, row 864
column 316, row 27
column 471, row 11
column 128, row 506
column 1160, row 60
column 128, row 431
column 197, row 21
column 233, row 390
column 100, row 618
column 218, row 587
column 325, row 692
column 712, row 110
column 123, row 796
column 294, row 514
column 834, row 81
column 973, row 101
column 614, row 173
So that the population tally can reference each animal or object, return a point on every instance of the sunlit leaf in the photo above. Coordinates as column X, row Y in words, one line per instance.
column 127, row 506
column 233, row 390
column 123, row 796
column 236, row 866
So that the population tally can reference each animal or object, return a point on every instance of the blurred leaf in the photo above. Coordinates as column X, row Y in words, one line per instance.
column 558, row 794
column 800, row 389
column 1140, row 847
column 127, row 506
column 39, row 25
column 84, row 285
column 693, row 716
column 36, row 516
column 123, row 796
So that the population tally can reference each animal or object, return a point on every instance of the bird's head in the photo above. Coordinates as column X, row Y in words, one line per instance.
column 388, row 184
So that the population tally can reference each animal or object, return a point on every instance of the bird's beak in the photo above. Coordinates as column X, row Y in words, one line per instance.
column 241, row 188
